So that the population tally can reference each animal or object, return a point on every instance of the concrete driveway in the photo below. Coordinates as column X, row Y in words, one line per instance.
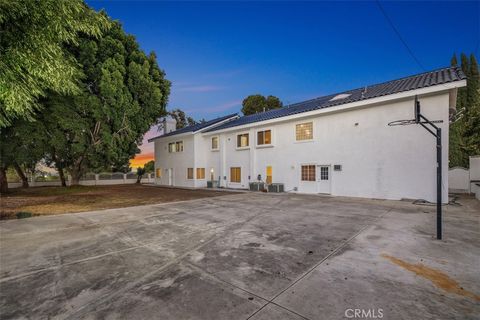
column 244, row 256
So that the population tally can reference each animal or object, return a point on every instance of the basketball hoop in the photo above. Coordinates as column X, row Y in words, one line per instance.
column 408, row 122
column 401, row 122
column 430, row 126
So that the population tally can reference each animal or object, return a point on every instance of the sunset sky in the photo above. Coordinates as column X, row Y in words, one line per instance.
column 217, row 53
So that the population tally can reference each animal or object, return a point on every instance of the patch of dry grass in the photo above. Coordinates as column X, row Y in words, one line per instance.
column 58, row 200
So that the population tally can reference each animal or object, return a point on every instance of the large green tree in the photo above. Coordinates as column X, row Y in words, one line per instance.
column 123, row 93
column 465, row 126
column 32, row 56
column 257, row 103
column 21, row 147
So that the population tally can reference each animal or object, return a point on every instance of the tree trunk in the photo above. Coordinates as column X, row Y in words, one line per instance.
column 22, row 175
column 76, row 175
column 61, row 174
column 3, row 180
column 76, row 172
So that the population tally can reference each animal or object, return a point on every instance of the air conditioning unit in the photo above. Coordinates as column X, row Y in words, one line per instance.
column 276, row 187
column 256, row 186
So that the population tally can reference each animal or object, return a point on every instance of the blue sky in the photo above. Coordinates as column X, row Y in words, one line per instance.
column 217, row 53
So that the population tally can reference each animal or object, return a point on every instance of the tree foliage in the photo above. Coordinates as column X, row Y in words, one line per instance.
column 32, row 56
column 257, row 103
column 149, row 166
column 21, row 146
column 465, row 129
column 123, row 93
column 181, row 118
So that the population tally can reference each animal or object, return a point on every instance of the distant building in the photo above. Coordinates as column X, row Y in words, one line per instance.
column 338, row 144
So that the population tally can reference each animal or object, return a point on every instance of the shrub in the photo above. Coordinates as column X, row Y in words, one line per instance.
column 23, row 214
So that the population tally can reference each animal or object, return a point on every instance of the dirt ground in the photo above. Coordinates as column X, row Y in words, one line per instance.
column 58, row 200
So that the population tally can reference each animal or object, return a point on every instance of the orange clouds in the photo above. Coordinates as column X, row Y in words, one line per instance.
column 141, row 159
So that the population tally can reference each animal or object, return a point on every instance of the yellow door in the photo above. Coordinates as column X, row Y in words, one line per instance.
column 269, row 174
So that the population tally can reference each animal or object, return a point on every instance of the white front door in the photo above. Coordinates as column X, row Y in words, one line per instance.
column 170, row 177
column 323, row 179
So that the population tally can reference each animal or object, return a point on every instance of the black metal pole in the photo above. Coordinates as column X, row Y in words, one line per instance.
column 439, row 183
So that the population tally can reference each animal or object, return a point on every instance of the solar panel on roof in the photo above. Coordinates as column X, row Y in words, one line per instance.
column 418, row 81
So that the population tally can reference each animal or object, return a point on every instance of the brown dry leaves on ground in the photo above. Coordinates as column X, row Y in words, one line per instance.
column 58, row 200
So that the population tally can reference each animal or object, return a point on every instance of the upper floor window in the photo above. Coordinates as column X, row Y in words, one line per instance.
column 214, row 145
column 304, row 131
column 175, row 146
column 242, row 140
column 179, row 146
column 264, row 137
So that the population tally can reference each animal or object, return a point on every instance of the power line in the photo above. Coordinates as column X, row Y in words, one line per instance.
column 399, row 35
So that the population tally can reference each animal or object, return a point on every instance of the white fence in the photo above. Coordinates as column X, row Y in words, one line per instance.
column 462, row 180
column 459, row 180
column 90, row 179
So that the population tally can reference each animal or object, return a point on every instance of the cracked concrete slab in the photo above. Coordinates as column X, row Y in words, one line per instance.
column 243, row 256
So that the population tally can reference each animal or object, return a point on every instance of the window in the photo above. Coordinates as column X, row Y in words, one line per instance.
column 269, row 175
column 236, row 174
column 264, row 137
column 304, row 131
column 200, row 173
column 323, row 173
column 175, row 146
column 214, row 143
column 308, row 173
column 158, row 173
column 179, row 146
column 189, row 173
column 242, row 140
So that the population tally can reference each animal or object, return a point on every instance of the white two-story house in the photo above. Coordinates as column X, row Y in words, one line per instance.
column 339, row 144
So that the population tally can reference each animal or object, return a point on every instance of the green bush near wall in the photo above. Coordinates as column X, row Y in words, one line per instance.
column 23, row 214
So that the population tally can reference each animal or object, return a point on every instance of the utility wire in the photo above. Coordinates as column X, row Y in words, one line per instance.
column 398, row 34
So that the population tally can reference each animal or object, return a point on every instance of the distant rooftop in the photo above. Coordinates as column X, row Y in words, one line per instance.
column 422, row 80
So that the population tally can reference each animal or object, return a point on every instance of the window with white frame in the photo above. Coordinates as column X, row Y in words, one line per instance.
column 235, row 174
column 175, row 147
column 242, row 140
column 201, row 173
column 308, row 173
column 304, row 131
column 264, row 137
column 179, row 146
column 214, row 144
column 190, row 173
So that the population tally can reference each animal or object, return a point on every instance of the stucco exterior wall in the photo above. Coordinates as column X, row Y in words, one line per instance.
column 377, row 161
column 178, row 162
